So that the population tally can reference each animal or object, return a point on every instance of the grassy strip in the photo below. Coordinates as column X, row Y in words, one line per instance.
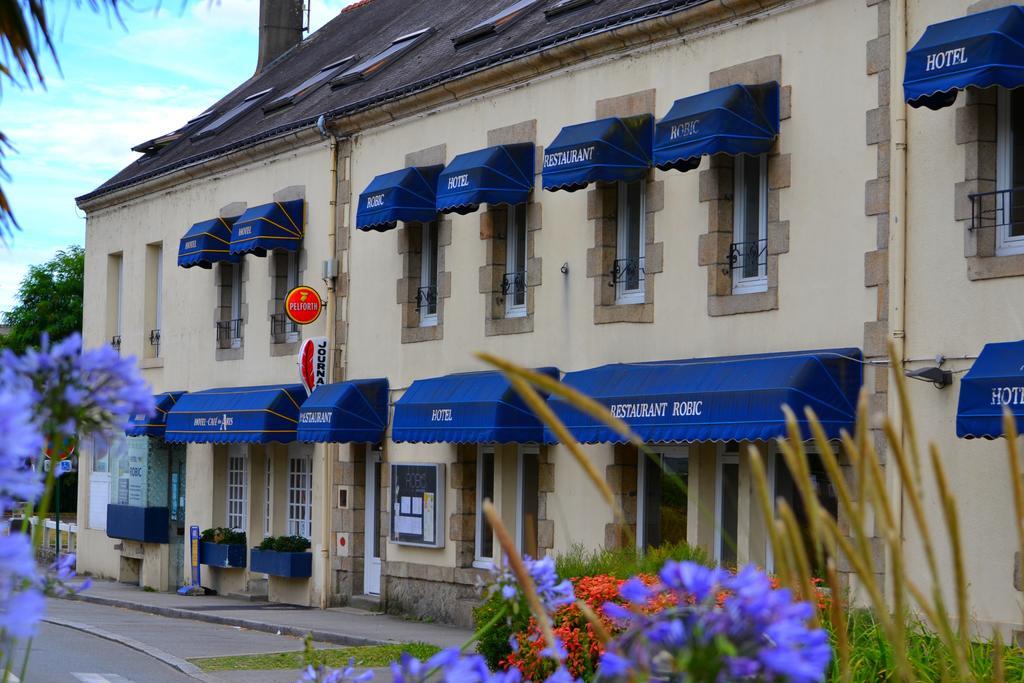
column 366, row 657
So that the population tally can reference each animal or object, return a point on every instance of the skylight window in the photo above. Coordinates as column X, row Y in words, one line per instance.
column 308, row 85
column 491, row 25
column 563, row 6
column 151, row 147
column 372, row 65
column 230, row 115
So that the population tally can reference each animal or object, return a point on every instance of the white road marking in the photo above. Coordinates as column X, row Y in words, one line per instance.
column 99, row 678
column 11, row 678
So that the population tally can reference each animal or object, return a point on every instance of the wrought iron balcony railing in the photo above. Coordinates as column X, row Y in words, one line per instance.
column 999, row 209
column 513, row 286
column 750, row 258
column 628, row 273
column 426, row 300
column 283, row 330
column 115, row 341
column 154, row 341
column 229, row 334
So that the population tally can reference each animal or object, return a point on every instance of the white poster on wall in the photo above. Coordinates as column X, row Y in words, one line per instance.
column 138, row 453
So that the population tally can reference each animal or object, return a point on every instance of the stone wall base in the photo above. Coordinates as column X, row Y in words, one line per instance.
column 446, row 603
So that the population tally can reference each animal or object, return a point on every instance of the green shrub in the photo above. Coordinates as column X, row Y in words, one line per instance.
column 625, row 562
column 493, row 644
column 222, row 535
column 285, row 544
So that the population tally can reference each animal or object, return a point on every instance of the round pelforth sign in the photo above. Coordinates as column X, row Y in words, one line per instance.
column 303, row 305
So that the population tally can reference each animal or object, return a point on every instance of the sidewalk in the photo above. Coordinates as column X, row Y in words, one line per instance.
column 336, row 625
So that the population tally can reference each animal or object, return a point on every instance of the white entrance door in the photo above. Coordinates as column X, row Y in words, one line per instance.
column 371, row 567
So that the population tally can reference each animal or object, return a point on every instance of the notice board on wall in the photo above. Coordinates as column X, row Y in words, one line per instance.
column 417, row 504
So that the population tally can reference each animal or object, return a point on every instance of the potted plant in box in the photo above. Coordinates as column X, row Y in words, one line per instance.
column 221, row 547
column 285, row 556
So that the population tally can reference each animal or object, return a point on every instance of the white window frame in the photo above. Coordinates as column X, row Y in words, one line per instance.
column 428, row 246
column 623, row 295
column 300, row 480
column 268, row 495
column 237, row 501
column 515, row 241
column 481, row 561
column 643, row 462
column 741, row 284
column 1006, row 245
column 769, row 552
column 522, row 451
column 236, row 302
column 159, row 307
column 119, row 322
column 723, row 459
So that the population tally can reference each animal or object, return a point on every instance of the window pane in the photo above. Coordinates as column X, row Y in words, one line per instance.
column 665, row 482
column 786, row 489
column 485, row 548
column 751, row 215
column 516, row 246
column 634, row 234
column 729, row 493
column 1016, row 99
column 530, row 511
column 375, row 513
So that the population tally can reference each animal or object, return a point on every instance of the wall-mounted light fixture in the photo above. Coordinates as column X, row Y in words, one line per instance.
column 936, row 375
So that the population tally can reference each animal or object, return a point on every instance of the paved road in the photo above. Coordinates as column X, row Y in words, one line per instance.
column 61, row 654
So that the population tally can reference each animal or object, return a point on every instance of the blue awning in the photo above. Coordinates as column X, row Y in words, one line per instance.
column 607, row 149
column 736, row 119
column 207, row 243
column 495, row 175
column 406, row 195
column 732, row 398
column 472, row 407
column 141, row 424
column 994, row 382
column 346, row 412
column 979, row 50
column 268, row 226
column 237, row 415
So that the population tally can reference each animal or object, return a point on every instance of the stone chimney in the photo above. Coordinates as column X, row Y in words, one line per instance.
column 281, row 23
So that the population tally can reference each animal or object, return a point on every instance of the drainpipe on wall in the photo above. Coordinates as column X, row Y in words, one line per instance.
column 898, row 227
column 330, row 449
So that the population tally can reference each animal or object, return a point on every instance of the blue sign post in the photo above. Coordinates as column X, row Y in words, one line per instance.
column 194, row 588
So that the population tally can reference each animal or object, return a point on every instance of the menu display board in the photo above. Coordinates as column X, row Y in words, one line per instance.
column 417, row 504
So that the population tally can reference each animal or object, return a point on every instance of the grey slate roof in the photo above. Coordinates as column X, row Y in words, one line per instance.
column 365, row 29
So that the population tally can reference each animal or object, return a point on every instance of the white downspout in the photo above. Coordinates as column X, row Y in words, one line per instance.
column 898, row 228
column 330, row 449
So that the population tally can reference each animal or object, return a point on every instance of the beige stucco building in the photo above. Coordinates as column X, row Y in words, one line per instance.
column 830, row 241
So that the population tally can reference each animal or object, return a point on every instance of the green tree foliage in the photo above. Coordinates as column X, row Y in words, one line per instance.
column 49, row 300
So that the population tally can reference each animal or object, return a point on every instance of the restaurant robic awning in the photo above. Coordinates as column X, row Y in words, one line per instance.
column 345, row 412
column 496, row 175
column 471, row 407
column 607, row 149
column 277, row 225
column 409, row 194
column 237, row 415
column 141, row 424
column 995, row 382
column 979, row 50
column 736, row 119
column 731, row 398
column 206, row 243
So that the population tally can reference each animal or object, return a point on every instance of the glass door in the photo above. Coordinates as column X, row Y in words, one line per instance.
column 176, row 510
column 664, row 480
column 371, row 566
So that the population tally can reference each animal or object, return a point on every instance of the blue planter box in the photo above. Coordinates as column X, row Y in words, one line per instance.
column 291, row 565
column 222, row 554
column 131, row 523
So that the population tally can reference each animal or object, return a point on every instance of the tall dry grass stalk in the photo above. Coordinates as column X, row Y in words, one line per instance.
column 868, row 542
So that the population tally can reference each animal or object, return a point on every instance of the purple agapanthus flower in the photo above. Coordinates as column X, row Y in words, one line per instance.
column 346, row 675
column 552, row 592
column 453, row 666
column 758, row 633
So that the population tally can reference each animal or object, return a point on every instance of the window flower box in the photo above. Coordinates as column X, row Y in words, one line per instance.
column 134, row 523
column 277, row 563
column 224, row 555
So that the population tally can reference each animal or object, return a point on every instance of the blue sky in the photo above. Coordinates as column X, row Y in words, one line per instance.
column 116, row 86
